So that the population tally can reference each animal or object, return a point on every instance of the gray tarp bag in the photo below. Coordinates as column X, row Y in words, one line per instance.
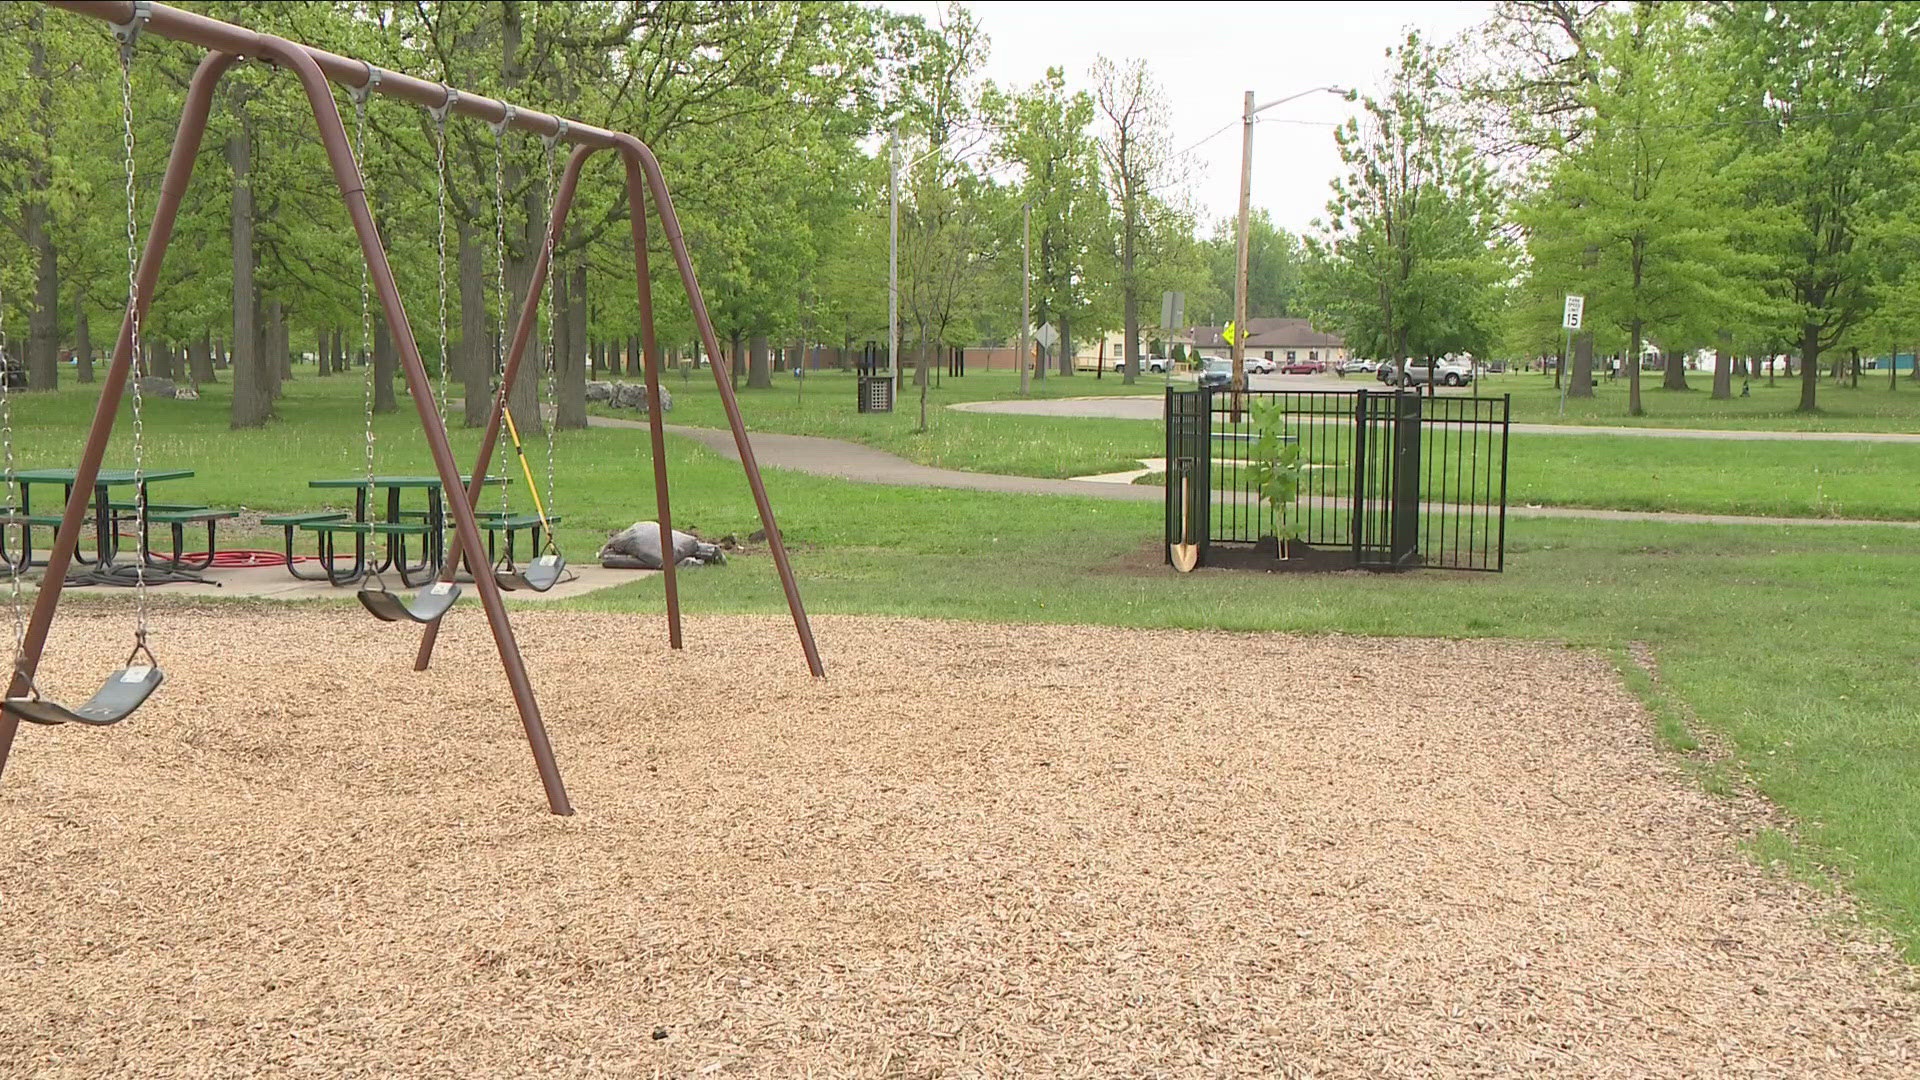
column 637, row 547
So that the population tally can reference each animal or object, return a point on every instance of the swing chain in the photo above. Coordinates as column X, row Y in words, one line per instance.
column 440, row 238
column 500, row 267
column 137, row 365
column 553, row 329
column 359, row 96
column 14, row 567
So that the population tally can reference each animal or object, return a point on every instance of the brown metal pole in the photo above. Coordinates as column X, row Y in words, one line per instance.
column 186, row 145
column 346, row 171
column 637, row 151
column 650, row 347
column 522, row 331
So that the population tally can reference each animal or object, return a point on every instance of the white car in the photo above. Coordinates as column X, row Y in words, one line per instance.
column 1260, row 365
column 1357, row 367
column 1158, row 365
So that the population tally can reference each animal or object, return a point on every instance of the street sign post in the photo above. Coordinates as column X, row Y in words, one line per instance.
column 1571, row 317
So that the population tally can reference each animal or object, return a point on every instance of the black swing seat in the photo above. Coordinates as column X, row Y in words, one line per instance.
column 539, row 575
column 126, row 690
column 426, row 606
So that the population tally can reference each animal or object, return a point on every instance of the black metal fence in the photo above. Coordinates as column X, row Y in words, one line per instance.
column 1388, row 479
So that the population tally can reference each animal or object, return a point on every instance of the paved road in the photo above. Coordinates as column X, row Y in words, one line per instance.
column 866, row 465
column 1148, row 407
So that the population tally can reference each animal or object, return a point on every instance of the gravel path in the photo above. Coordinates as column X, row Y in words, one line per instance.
column 1149, row 407
column 975, row 850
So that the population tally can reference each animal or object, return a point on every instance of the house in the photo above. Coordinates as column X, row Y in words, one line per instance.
column 1279, row 340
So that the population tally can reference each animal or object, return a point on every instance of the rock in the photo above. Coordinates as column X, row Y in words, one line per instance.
column 629, row 396
column 638, row 547
column 599, row 391
column 186, row 393
column 155, row 386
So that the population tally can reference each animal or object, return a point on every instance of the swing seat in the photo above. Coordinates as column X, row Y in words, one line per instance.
column 426, row 606
column 126, row 690
column 539, row 575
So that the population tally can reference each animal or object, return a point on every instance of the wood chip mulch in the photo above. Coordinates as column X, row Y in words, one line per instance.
column 975, row 850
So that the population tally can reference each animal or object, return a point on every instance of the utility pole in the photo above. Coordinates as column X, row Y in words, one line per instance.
column 1248, row 111
column 893, row 257
column 1026, row 280
column 1240, row 264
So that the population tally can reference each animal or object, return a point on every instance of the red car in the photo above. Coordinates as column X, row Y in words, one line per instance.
column 1302, row 367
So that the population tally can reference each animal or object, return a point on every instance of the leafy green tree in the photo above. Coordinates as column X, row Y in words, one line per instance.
column 1046, row 133
column 1408, row 262
column 1819, row 94
column 1274, row 260
column 1640, row 215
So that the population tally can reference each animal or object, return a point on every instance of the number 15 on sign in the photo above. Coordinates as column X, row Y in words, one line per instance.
column 1575, row 312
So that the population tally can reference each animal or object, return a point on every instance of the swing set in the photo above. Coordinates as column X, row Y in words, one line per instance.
column 135, row 681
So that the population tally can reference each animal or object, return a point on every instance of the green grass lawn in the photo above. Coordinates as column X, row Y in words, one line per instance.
column 1795, row 647
column 1871, row 407
column 976, row 442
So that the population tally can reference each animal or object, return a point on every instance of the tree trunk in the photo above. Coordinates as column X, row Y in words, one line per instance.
column 200, row 360
column 1809, row 368
column 155, row 359
column 634, row 357
column 736, row 362
column 1676, row 376
column 251, row 404
column 474, row 354
column 1854, row 362
column 384, row 363
column 570, row 366
column 1637, row 342
column 1559, row 365
column 1722, row 371
column 1581, row 383
column 82, row 339
column 758, row 376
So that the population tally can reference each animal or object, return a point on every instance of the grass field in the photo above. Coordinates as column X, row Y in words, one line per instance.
column 1870, row 407
column 1794, row 647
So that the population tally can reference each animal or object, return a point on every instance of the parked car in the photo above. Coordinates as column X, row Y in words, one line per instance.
column 1419, row 372
column 1357, row 367
column 1159, row 365
column 1259, row 365
column 1303, row 367
column 1216, row 374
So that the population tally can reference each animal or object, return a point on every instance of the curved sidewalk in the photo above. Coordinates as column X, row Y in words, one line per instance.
column 866, row 465
column 1148, row 407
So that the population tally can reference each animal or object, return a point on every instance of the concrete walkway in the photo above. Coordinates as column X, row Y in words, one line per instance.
column 1149, row 407
column 864, row 464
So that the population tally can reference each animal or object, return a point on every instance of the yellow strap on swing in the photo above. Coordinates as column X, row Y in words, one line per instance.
column 525, row 469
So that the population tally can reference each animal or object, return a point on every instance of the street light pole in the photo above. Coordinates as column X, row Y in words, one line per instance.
column 1246, row 189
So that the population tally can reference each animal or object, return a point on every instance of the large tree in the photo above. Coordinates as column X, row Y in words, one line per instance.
column 1819, row 92
column 1408, row 262
column 1640, row 214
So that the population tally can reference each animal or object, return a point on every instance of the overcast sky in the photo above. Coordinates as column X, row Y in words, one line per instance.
column 1206, row 55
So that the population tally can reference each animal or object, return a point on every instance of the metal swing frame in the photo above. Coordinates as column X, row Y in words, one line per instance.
column 316, row 69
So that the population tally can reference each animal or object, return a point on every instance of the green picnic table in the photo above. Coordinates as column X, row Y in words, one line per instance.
column 106, row 537
column 396, row 525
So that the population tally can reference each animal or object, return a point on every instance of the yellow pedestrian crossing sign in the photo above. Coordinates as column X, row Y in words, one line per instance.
column 1228, row 333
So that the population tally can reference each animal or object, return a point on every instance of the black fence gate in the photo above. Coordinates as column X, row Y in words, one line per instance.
column 1389, row 480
